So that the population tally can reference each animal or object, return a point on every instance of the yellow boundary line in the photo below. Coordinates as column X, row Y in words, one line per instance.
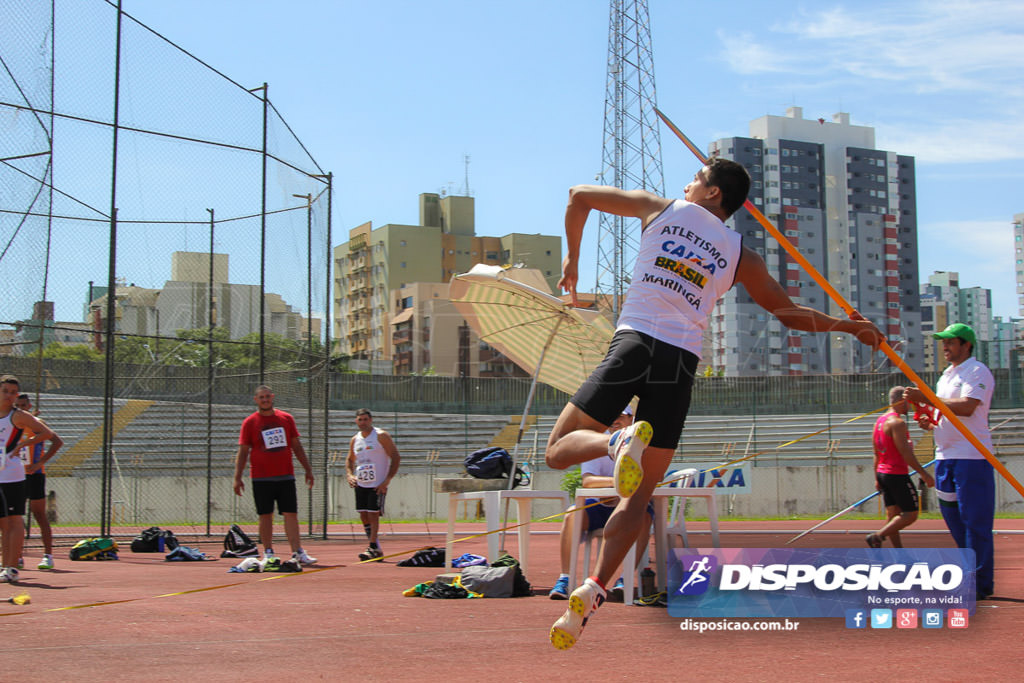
column 457, row 540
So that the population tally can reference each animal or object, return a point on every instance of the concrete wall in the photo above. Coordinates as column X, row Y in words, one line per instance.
column 777, row 492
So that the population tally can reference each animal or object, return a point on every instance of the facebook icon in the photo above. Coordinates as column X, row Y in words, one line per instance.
column 856, row 618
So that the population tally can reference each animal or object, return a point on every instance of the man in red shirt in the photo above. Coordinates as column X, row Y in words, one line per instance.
column 271, row 438
column 894, row 452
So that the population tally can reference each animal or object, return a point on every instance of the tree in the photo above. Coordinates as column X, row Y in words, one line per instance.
column 58, row 351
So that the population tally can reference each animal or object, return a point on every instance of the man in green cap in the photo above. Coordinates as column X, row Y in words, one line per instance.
column 964, row 478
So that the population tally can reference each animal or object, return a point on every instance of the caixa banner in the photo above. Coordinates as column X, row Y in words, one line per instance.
column 721, row 478
column 816, row 582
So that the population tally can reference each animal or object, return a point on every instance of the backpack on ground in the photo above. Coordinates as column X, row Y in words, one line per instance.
column 493, row 463
column 238, row 544
column 94, row 549
column 426, row 557
column 491, row 582
column 154, row 540
column 520, row 587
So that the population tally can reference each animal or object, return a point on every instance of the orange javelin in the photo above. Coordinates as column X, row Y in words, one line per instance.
column 838, row 298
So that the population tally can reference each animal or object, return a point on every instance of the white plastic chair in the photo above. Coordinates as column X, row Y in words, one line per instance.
column 628, row 564
column 676, row 525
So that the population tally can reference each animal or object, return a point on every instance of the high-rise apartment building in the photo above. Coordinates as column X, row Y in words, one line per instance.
column 376, row 262
column 851, row 211
column 934, row 318
column 1018, row 259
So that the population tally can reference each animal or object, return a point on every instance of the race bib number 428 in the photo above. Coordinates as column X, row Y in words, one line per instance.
column 366, row 473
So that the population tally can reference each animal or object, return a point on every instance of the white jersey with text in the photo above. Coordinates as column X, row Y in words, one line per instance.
column 372, row 461
column 12, row 468
column 686, row 262
column 970, row 379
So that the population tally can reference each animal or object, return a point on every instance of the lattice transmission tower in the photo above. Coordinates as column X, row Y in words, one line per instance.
column 632, row 145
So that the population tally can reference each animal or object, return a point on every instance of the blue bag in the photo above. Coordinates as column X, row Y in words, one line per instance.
column 493, row 463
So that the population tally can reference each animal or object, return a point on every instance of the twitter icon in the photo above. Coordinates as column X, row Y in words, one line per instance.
column 881, row 618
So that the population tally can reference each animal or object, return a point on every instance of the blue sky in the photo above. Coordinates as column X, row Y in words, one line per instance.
column 392, row 95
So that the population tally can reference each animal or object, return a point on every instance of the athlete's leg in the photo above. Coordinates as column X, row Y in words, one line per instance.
column 38, row 508
column 976, row 496
column 566, row 537
column 947, row 491
column 575, row 438
column 291, row 530
column 366, row 517
column 630, row 514
column 14, row 547
column 267, row 530
column 643, row 539
column 374, row 526
column 898, row 519
column 5, row 541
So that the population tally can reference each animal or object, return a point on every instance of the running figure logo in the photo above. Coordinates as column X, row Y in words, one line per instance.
column 696, row 573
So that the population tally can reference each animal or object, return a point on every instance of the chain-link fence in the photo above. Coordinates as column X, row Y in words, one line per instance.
column 164, row 236
column 165, row 247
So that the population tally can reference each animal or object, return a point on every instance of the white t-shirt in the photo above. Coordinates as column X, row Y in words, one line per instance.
column 12, row 468
column 600, row 467
column 686, row 262
column 970, row 379
column 372, row 461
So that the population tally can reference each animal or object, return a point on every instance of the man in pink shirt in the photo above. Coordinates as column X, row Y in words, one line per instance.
column 894, row 457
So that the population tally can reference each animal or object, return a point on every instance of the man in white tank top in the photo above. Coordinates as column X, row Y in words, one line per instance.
column 372, row 463
column 687, row 260
column 14, row 425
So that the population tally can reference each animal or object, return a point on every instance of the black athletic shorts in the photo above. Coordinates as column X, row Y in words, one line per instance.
column 659, row 374
column 35, row 485
column 268, row 491
column 12, row 498
column 898, row 490
column 368, row 500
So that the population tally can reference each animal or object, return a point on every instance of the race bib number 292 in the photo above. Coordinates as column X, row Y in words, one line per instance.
column 274, row 438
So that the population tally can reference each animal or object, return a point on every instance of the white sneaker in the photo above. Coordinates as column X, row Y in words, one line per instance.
column 303, row 558
column 9, row 575
column 627, row 449
column 47, row 563
column 582, row 604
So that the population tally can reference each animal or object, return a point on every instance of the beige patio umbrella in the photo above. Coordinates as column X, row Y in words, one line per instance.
column 557, row 344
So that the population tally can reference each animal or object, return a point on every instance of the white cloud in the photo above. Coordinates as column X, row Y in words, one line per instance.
column 943, row 77
column 935, row 47
column 969, row 47
column 955, row 140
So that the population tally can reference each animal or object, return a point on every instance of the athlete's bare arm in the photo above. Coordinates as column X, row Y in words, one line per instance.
column 240, row 459
column 41, row 432
column 300, row 454
column 392, row 450
column 585, row 198
column 770, row 295
column 896, row 427
column 350, row 463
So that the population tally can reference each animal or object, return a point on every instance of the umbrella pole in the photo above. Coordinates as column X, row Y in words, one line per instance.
column 522, row 426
